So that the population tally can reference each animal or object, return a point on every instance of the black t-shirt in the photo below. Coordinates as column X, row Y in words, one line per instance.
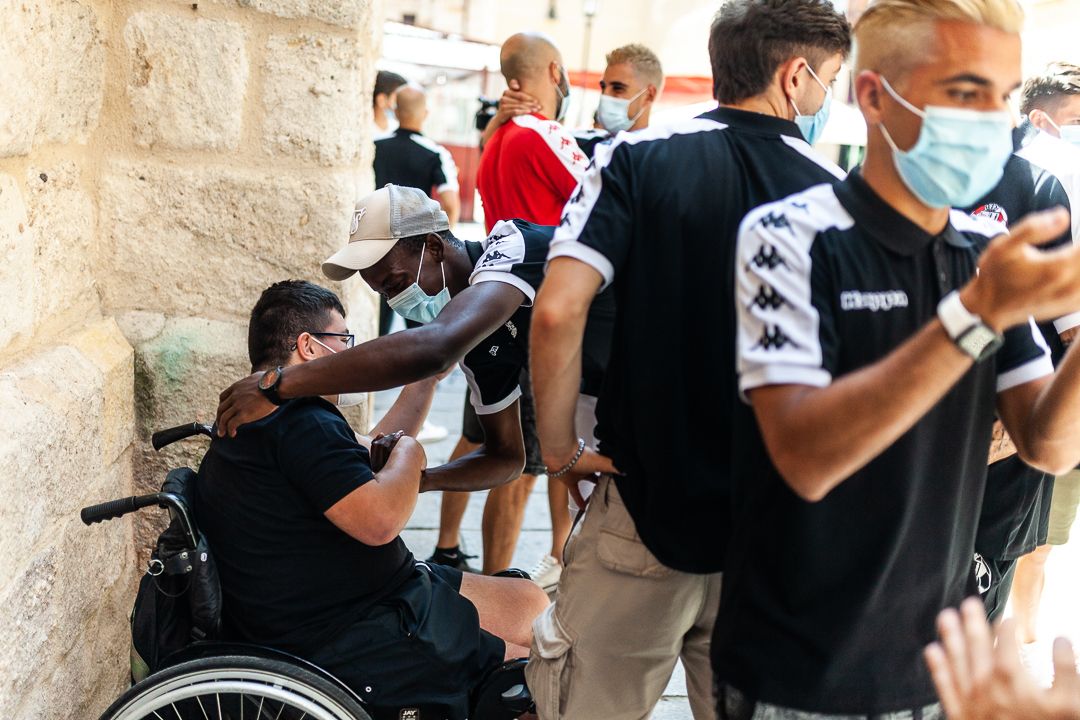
column 515, row 252
column 290, row 577
column 656, row 215
column 827, row 606
column 1016, row 508
column 409, row 159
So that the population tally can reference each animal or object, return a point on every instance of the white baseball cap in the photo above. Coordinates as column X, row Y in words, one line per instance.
column 378, row 222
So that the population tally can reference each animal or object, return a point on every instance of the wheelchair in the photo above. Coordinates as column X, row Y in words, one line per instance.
column 211, row 678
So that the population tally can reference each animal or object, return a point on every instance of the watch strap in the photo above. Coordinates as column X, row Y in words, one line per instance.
column 956, row 318
column 270, row 392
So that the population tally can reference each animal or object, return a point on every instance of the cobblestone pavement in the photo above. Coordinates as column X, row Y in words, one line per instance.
column 1061, row 602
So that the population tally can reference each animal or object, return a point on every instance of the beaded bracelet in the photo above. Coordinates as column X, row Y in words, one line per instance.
column 573, row 461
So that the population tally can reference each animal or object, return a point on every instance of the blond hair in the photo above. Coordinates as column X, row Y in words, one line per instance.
column 642, row 59
column 888, row 34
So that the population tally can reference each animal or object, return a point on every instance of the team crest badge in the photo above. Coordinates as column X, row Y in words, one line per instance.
column 992, row 211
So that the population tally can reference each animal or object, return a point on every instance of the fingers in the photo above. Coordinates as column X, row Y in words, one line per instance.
column 1065, row 674
column 955, row 646
column 980, row 642
column 1040, row 227
column 944, row 682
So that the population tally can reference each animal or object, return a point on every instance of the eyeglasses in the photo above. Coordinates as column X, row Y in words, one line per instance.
column 348, row 338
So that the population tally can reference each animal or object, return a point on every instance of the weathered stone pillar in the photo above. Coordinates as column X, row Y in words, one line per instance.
column 161, row 162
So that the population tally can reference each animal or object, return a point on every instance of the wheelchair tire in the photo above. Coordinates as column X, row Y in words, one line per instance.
column 232, row 687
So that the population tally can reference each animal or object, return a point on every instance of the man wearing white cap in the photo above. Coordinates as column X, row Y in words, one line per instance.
column 474, row 301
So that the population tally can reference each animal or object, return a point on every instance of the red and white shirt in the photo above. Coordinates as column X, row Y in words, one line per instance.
column 528, row 171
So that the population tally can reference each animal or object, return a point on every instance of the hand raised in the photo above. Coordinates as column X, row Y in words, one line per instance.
column 1016, row 279
column 241, row 403
column 381, row 447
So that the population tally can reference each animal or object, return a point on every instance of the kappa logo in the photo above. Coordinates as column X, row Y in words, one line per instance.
column 773, row 338
column 356, row 218
column 768, row 299
column 492, row 257
column 577, row 196
column 767, row 257
column 502, row 234
column 564, row 220
column 994, row 212
column 873, row 301
column 776, row 220
column 494, row 350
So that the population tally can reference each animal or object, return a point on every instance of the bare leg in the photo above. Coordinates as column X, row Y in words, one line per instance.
column 453, row 504
column 1027, row 592
column 558, row 503
column 507, row 608
column 504, row 513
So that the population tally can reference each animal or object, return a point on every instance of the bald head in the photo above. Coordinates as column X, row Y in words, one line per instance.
column 411, row 106
column 527, row 56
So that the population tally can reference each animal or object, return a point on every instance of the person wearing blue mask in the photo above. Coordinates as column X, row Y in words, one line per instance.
column 879, row 333
column 473, row 301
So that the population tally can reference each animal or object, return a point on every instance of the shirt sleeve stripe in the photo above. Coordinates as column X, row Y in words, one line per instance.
column 1068, row 322
column 762, row 375
column 509, row 279
column 1032, row 370
column 589, row 256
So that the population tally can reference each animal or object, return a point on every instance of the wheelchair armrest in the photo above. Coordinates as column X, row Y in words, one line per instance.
column 503, row 695
column 513, row 573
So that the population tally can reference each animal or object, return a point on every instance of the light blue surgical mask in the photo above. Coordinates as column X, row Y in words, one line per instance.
column 1068, row 133
column 564, row 95
column 614, row 113
column 960, row 155
column 414, row 304
column 811, row 126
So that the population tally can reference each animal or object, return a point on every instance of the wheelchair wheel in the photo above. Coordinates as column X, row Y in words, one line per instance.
column 235, row 687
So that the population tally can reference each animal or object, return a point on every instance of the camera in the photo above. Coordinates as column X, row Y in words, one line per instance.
column 488, row 108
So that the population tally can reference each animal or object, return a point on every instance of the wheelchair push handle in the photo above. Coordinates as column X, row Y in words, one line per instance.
column 174, row 434
column 117, row 508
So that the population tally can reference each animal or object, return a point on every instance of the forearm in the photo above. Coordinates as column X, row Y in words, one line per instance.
column 450, row 201
column 820, row 436
column 1051, row 437
column 479, row 470
column 409, row 410
column 555, row 367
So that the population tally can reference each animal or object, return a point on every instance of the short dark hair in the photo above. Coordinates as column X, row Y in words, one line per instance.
column 750, row 39
column 286, row 309
column 1045, row 92
column 386, row 82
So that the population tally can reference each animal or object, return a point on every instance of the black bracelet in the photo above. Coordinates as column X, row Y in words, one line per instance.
column 573, row 461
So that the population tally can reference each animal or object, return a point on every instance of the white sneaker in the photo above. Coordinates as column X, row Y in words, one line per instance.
column 431, row 433
column 546, row 573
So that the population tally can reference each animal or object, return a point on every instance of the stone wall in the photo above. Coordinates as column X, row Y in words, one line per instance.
column 161, row 162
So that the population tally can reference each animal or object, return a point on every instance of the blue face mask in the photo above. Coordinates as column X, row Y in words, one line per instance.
column 812, row 125
column 1068, row 133
column 414, row 304
column 614, row 113
column 960, row 155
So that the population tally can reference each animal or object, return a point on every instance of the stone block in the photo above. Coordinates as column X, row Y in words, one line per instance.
column 67, row 425
column 206, row 242
column 55, row 51
column 187, row 80
column 61, row 216
column 313, row 98
column 16, row 272
column 346, row 13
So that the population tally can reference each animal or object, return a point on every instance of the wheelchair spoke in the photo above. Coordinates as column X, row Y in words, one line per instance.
column 199, row 700
column 280, row 710
column 258, row 715
column 217, row 697
column 178, row 716
column 157, row 716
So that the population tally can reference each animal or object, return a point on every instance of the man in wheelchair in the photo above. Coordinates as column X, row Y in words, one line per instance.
column 306, row 534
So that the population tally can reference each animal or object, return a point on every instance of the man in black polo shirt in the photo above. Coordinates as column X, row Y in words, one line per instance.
column 474, row 303
column 867, row 353
column 306, row 535
column 1015, row 515
column 655, row 218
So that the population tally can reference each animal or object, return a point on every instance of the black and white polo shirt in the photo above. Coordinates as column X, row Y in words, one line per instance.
column 515, row 253
column 656, row 215
column 828, row 605
column 410, row 159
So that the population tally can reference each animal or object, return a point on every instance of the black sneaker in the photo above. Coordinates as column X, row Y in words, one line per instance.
column 452, row 557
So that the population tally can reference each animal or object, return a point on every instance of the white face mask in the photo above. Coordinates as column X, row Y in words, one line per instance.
column 344, row 399
column 614, row 113
column 1068, row 133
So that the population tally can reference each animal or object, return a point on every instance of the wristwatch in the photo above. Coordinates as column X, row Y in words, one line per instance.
column 967, row 330
column 269, row 383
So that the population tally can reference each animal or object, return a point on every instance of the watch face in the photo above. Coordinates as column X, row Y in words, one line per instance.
column 980, row 341
column 269, row 379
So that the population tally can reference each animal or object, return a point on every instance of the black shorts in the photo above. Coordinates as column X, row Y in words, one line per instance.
column 472, row 431
column 422, row 647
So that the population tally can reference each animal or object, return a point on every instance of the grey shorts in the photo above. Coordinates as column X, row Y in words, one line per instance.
column 732, row 704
